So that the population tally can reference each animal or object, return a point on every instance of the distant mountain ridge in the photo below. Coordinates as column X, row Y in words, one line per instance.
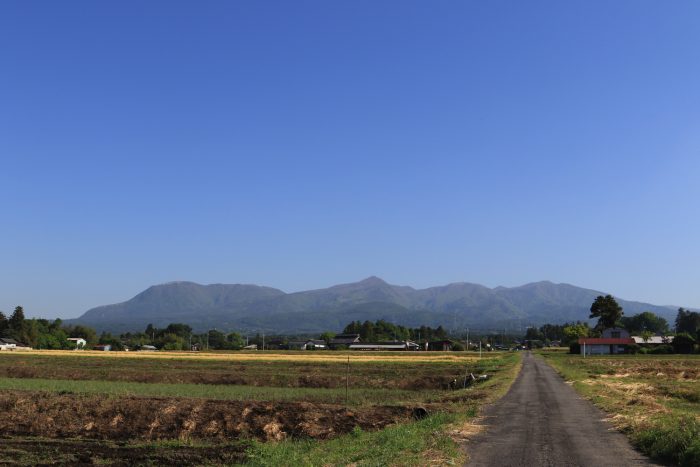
column 258, row 308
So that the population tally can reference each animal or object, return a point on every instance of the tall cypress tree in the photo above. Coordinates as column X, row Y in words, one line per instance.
column 16, row 321
column 4, row 324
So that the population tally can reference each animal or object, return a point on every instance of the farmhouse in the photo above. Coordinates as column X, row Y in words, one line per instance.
column 314, row 344
column 78, row 342
column 613, row 341
column 406, row 345
column 295, row 345
column 343, row 340
column 443, row 345
column 103, row 347
column 8, row 344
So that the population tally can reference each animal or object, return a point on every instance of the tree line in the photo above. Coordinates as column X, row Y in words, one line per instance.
column 382, row 330
column 42, row 333
column 610, row 314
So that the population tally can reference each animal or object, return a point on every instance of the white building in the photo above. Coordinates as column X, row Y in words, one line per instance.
column 78, row 342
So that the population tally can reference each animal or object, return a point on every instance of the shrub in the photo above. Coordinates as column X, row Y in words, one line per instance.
column 633, row 349
column 575, row 348
column 683, row 343
column 662, row 349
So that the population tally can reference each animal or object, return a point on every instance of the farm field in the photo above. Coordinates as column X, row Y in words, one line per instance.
column 262, row 408
column 654, row 399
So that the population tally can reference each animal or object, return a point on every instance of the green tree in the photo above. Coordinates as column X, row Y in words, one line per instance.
column 367, row 331
column 107, row 338
column 235, row 341
column 179, row 329
column 533, row 334
column 683, row 343
column 217, row 340
column 4, row 324
column 57, row 324
column 607, row 310
column 327, row 336
column 16, row 321
column 687, row 321
column 171, row 341
column 573, row 332
column 646, row 335
column 645, row 321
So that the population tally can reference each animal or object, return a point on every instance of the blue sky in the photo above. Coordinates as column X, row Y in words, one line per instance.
column 303, row 144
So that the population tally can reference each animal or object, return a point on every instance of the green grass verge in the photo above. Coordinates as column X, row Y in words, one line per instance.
column 425, row 442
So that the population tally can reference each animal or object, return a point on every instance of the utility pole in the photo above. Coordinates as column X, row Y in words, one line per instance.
column 479, row 348
column 263, row 340
column 347, row 382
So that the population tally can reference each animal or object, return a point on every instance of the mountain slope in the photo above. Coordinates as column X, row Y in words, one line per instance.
column 251, row 307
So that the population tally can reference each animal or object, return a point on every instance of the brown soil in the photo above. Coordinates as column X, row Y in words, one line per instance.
column 76, row 452
column 54, row 415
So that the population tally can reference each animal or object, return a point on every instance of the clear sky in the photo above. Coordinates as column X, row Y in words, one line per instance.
column 303, row 144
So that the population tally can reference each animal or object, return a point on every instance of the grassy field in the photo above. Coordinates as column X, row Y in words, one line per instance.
column 264, row 408
column 654, row 399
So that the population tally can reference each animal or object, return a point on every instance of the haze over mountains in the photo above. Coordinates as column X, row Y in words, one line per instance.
column 257, row 308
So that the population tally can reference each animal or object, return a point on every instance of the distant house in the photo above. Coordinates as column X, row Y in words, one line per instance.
column 147, row 348
column 251, row 347
column 400, row 345
column 441, row 346
column 8, row 344
column 343, row 340
column 295, row 345
column 78, row 342
column 613, row 341
column 102, row 347
column 314, row 344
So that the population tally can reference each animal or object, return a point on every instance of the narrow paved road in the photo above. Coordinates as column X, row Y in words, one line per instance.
column 543, row 422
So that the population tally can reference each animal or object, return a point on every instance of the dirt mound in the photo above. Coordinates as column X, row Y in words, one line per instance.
column 54, row 415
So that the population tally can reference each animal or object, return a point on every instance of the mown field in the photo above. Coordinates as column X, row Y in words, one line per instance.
column 264, row 408
column 654, row 399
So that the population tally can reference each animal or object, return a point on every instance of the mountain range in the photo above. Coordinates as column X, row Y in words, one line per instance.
column 253, row 308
